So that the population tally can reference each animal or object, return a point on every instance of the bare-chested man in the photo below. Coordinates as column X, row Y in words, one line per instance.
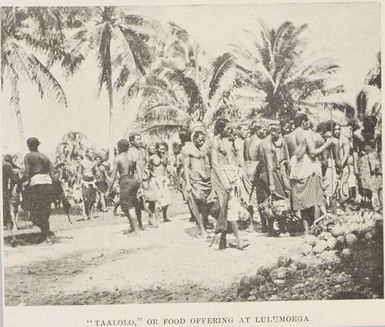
column 198, row 184
column 332, row 165
column 271, row 177
column 157, row 164
column 248, row 185
column 258, row 133
column 39, row 194
column 305, row 182
column 345, row 171
column 224, row 177
column 139, row 153
column 87, row 170
column 102, row 177
column 125, row 165
column 240, row 143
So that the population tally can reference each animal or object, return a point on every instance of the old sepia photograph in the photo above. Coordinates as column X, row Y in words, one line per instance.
column 191, row 153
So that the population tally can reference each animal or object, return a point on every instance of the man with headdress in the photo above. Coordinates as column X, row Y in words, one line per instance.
column 198, row 183
column 40, row 192
column 224, row 178
column 271, row 177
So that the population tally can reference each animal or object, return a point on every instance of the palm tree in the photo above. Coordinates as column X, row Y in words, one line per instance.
column 274, row 61
column 122, row 41
column 21, row 35
column 187, row 88
column 368, row 100
column 374, row 76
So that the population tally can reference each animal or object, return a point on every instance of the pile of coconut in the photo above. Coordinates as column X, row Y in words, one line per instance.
column 341, row 233
column 333, row 243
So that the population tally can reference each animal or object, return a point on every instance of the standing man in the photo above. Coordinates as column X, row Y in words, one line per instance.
column 248, row 179
column 224, row 175
column 138, row 152
column 345, row 172
column 198, row 184
column 39, row 194
column 87, row 168
column 101, row 182
column 157, row 164
column 271, row 180
column 125, row 165
column 8, row 178
column 239, row 143
column 305, row 182
column 331, row 155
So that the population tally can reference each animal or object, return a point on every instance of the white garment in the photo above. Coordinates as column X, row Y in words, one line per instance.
column 301, row 169
column 40, row 179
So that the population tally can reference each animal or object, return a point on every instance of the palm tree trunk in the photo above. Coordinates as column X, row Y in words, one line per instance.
column 15, row 105
column 111, row 153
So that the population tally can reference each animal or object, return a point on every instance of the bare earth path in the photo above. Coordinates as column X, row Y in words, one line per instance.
column 99, row 263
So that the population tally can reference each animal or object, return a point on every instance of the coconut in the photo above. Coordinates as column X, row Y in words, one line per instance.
column 258, row 279
column 311, row 239
column 296, row 257
column 279, row 273
column 245, row 280
column 369, row 236
column 301, row 264
column 367, row 227
column 354, row 228
column 331, row 243
column 279, row 282
column 320, row 247
column 338, row 230
column 346, row 254
column 284, row 261
column 306, row 249
column 330, row 257
column 341, row 239
column 324, row 236
column 351, row 239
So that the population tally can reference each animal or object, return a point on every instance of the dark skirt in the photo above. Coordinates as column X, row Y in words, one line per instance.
column 89, row 190
column 102, row 186
column 6, row 207
column 262, row 186
column 307, row 192
column 129, row 187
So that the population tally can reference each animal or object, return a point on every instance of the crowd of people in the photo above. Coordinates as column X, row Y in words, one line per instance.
column 266, row 171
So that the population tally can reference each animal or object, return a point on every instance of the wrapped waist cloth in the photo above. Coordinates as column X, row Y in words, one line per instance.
column 200, row 185
column 247, row 183
column 40, row 179
column 159, row 188
column 128, row 186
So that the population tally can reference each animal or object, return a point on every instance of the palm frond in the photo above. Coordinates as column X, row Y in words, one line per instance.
column 220, row 66
column 139, row 49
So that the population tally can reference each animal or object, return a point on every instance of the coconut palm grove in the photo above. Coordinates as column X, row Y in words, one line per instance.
column 252, row 173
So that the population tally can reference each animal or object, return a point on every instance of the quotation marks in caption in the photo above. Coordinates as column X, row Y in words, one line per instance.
column 198, row 321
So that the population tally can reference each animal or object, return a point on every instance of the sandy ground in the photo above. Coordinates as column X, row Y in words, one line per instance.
column 98, row 262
